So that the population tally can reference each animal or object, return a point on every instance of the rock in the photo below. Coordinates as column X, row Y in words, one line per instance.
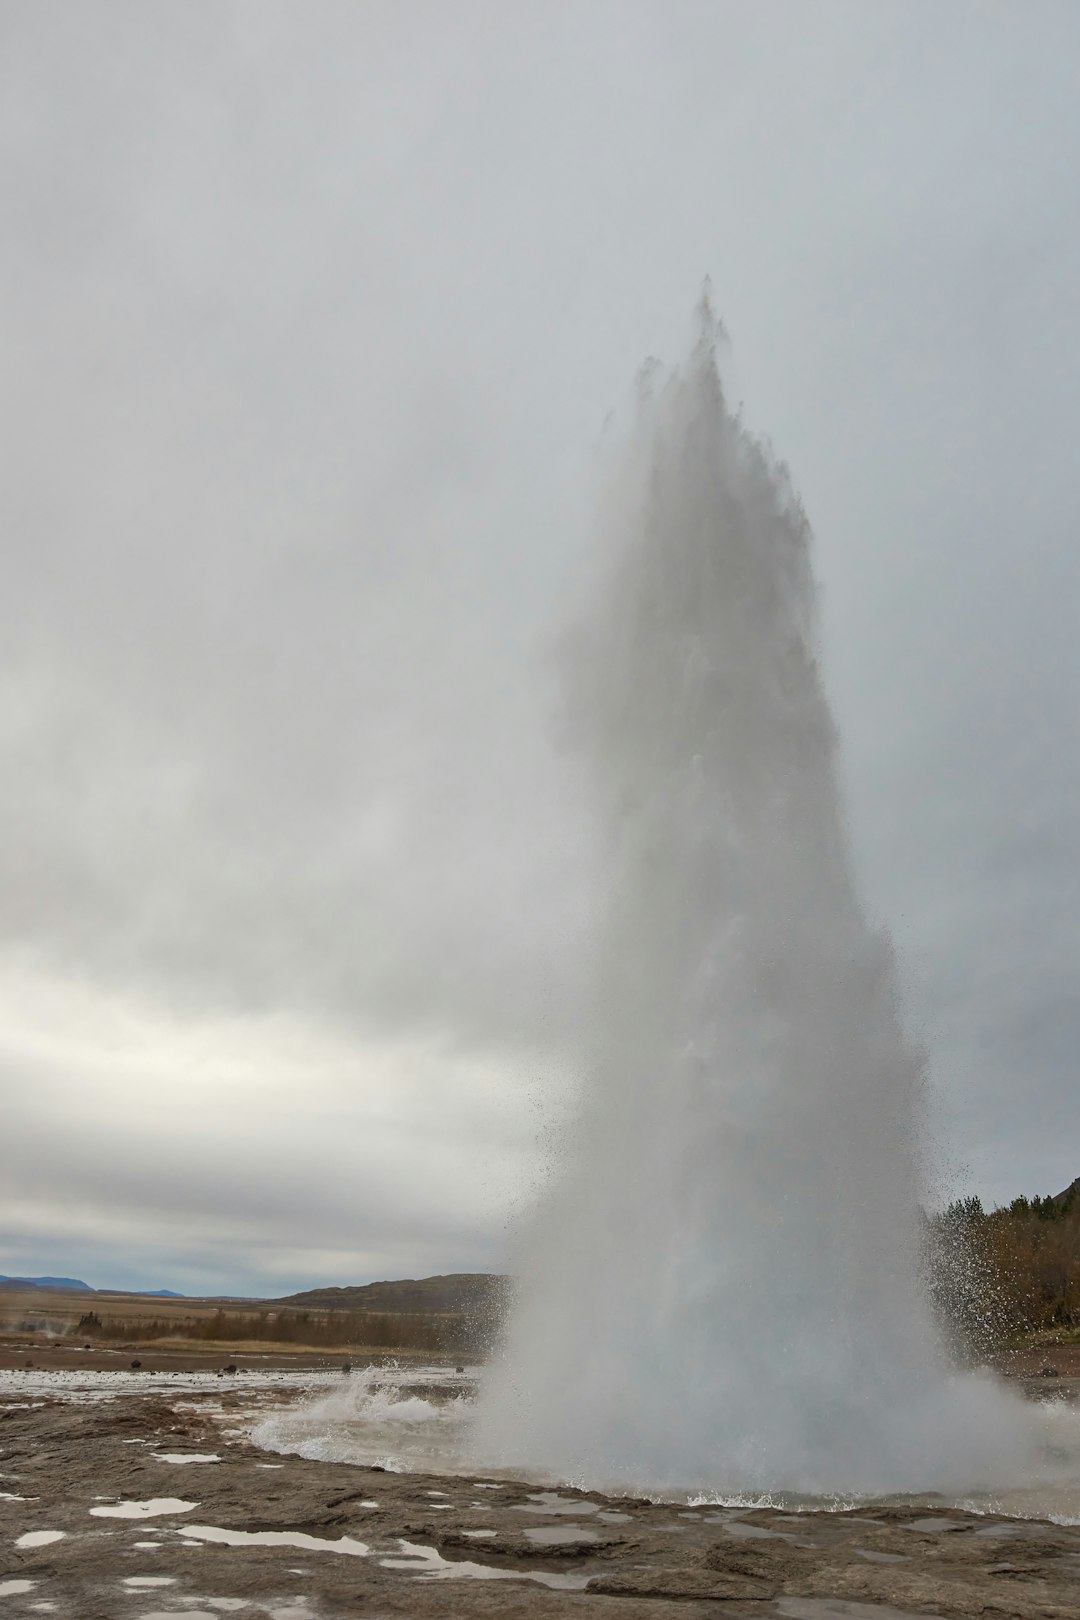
column 651, row 1561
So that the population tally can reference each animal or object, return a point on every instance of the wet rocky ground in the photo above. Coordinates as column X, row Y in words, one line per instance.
column 106, row 1513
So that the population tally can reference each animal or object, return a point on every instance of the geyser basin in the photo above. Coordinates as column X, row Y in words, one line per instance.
column 722, row 1289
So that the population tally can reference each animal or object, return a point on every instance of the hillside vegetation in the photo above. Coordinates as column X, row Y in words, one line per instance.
column 1003, row 1274
column 462, row 1293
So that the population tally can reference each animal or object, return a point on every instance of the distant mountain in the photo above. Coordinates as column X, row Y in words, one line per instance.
column 46, row 1282
column 459, row 1294
column 74, row 1285
column 1070, row 1192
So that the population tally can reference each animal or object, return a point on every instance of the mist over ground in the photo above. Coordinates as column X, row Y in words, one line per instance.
column 312, row 322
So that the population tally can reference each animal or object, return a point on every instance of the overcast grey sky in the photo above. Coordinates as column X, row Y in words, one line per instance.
column 312, row 317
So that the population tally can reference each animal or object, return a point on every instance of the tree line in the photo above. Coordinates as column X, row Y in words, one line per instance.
column 437, row 1333
column 996, row 1275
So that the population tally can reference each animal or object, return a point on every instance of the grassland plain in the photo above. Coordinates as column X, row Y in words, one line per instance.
column 435, row 1317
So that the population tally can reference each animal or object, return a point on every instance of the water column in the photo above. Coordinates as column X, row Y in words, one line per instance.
column 721, row 1287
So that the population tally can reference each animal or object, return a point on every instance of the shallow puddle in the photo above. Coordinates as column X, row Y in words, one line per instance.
column 754, row 1532
column 143, row 1510
column 182, row 1457
column 140, row 1581
column 550, row 1502
column 16, row 1588
column 560, row 1535
column 429, row 1565
column 426, row 1564
column 40, row 1538
column 273, row 1538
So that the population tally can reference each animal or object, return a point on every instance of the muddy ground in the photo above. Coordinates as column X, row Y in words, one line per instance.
column 366, row 1543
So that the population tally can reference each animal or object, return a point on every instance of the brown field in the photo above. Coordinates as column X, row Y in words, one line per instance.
column 59, row 1328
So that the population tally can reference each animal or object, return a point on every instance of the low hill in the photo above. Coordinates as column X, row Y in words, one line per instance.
column 68, row 1284
column 459, row 1294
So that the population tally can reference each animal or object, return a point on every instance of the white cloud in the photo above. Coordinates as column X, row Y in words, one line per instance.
column 311, row 323
column 248, row 1152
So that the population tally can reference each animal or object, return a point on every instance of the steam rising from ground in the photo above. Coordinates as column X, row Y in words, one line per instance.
column 722, row 1289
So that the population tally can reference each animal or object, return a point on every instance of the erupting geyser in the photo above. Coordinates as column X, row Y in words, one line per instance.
column 722, row 1288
